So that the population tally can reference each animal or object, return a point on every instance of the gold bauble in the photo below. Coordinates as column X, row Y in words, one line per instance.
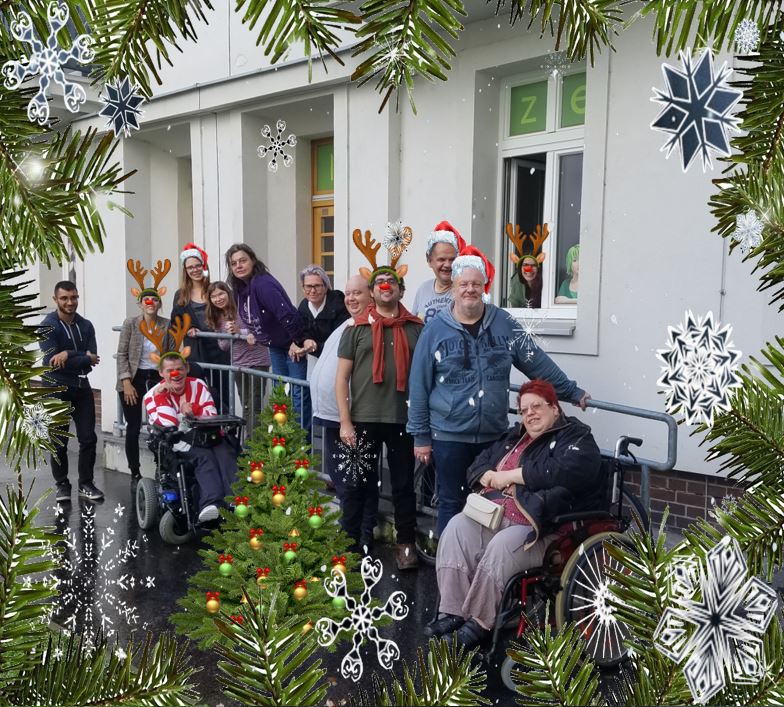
column 244, row 600
column 280, row 418
column 293, row 533
column 262, row 582
column 300, row 593
column 257, row 476
column 339, row 567
column 213, row 606
column 255, row 543
column 307, row 627
column 278, row 498
column 314, row 579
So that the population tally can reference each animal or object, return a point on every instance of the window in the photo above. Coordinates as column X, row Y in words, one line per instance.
column 542, row 164
column 322, row 202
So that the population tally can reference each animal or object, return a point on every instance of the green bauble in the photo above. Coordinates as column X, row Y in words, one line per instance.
column 301, row 473
column 278, row 451
column 289, row 556
column 225, row 568
column 315, row 521
column 241, row 510
column 339, row 602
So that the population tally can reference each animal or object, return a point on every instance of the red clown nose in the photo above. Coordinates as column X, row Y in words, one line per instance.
column 175, row 374
column 149, row 301
column 384, row 286
column 528, row 268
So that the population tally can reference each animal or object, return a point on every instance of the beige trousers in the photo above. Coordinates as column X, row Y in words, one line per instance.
column 474, row 563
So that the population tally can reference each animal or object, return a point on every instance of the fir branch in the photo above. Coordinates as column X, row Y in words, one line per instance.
column 267, row 662
column 289, row 21
column 134, row 37
column 585, row 26
column 555, row 670
column 448, row 676
column 405, row 40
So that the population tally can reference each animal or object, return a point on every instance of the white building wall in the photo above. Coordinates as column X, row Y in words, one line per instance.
column 647, row 247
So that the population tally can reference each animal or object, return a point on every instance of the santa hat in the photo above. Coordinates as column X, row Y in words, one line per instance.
column 471, row 257
column 445, row 232
column 191, row 250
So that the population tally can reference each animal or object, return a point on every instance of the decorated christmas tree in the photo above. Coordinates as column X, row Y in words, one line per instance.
column 280, row 533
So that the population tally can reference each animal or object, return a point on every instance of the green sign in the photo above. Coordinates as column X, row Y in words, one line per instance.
column 325, row 167
column 528, row 111
column 573, row 100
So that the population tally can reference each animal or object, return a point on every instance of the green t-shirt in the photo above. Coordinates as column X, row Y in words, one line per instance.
column 565, row 291
column 376, row 402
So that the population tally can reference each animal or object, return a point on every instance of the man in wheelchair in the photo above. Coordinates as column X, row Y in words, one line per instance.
column 545, row 467
column 174, row 403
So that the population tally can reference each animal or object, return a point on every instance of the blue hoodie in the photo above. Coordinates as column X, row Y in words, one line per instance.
column 77, row 339
column 459, row 385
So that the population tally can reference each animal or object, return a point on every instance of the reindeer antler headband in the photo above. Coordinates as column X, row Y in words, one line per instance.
column 178, row 331
column 396, row 240
column 140, row 275
column 521, row 240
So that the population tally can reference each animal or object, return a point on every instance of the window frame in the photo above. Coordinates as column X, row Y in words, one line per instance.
column 553, row 142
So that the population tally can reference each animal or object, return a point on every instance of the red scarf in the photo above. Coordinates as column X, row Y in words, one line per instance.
column 402, row 352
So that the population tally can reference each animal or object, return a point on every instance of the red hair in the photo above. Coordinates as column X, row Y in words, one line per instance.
column 544, row 389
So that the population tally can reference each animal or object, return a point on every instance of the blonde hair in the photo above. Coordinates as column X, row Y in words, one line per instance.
column 215, row 315
column 186, row 285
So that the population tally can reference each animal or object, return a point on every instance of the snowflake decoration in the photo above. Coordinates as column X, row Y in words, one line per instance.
column 397, row 238
column 91, row 579
column 699, row 368
column 696, row 109
column 357, row 462
column 747, row 36
column 527, row 333
column 57, row 653
column 556, row 63
column 36, row 421
column 276, row 146
column 47, row 62
column 748, row 231
column 361, row 620
column 729, row 613
column 121, row 106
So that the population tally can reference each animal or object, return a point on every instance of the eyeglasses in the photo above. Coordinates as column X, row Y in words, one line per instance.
column 150, row 300
column 385, row 281
column 312, row 287
column 533, row 408
column 194, row 267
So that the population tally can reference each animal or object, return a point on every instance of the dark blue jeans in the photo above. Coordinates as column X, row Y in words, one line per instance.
column 452, row 460
column 282, row 365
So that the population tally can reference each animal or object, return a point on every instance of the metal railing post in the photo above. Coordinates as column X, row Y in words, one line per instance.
column 231, row 393
column 645, row 488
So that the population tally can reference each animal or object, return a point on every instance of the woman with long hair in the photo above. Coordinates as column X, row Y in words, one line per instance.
column 271, row 318
column 191, row 298
column 223, row 316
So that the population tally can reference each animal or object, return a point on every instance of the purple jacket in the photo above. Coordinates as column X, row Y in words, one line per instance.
column 270, row 315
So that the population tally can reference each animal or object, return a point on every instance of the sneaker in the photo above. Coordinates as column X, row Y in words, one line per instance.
column 208, row 513
column 63, row 492
column 471, row 635
column 446, row 624
column 90, row 491
column 406, row 556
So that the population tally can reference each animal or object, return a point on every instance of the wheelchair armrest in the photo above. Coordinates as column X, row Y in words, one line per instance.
column 581, row 515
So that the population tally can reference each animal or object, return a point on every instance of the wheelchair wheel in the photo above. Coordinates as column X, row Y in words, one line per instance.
column 427, row 512
column 146, row 503
column 584, row 597
column 631, row 506
column 506, row 674
column 174, row 530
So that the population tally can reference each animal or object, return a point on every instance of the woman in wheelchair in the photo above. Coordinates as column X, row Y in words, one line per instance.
column 179, row 397
column 548, row 466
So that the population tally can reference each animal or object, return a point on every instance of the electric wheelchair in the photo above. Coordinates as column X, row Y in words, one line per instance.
column 171, row 498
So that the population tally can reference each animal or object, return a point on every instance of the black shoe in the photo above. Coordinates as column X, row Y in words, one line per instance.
column 471, row 634
column 446, row 624
column 135, row 474
column 63, row 492
column 89, row 491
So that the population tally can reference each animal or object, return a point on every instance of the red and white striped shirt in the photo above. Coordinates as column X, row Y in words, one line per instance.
column 163, row 407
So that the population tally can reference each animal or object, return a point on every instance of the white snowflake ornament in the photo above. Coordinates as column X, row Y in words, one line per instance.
column 355, row 463
column 748, row 231
column 47, row 62
column 361, row 620
column 696, row 109
column 747, row 36
column 121, row 106
column 556, row 63
column 699, row 369
column 36, row 421
column 397, row 238
column 527, row 333
column 276, row 146
column 727, row 612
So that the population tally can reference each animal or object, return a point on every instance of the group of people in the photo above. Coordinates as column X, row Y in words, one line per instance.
column 430, row 385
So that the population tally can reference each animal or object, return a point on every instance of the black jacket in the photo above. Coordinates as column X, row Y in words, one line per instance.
column 77, row 339
column 330, row 318
column 562, row 471
column 202, row 350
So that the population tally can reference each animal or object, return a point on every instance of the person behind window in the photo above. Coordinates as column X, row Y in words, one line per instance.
column 443, row 246
column 525, row 289
column 548, row 465
column 567, row 294
column 191, row 298
column 223, row 316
